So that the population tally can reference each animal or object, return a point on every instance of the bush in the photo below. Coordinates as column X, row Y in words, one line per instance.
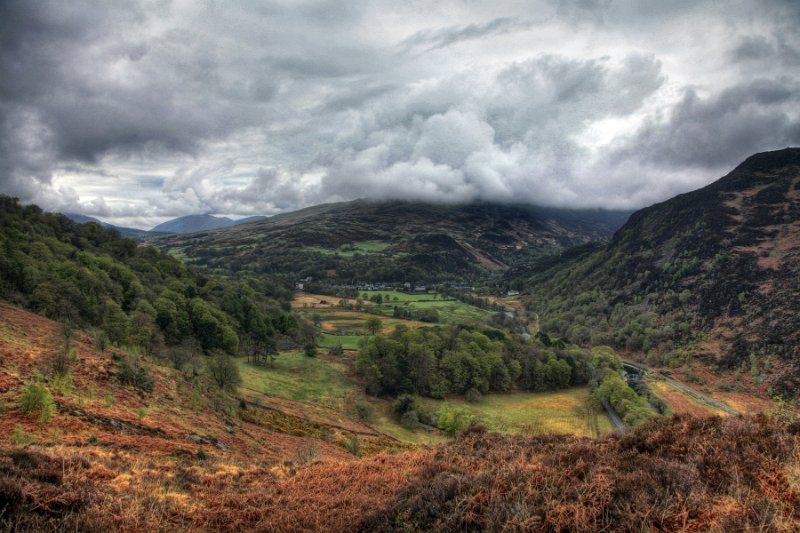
column 36, row 398
column 62, row 383
column 100, row 341
column 131, row 372
column 223, row 372
column 453, row 420
column 403, row 404
column 336, row 350
column 20, row 437
column 310, row 350
column 473, row 396
column 363, row 410
column 409, row 420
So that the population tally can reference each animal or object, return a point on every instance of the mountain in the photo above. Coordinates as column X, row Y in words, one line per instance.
column 711, row 275
column 395, row 241
column 133, row 233
column 191, row 223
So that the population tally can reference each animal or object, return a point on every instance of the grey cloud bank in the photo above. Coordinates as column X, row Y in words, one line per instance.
column 142, row 111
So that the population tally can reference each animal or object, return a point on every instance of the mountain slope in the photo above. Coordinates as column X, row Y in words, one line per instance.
column 395, row 241
column 133, row 233
column 712, row 274
column 191, row 223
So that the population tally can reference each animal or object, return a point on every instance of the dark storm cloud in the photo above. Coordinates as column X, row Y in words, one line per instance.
column 439, row 38
column 143, row 110
column 708, row 132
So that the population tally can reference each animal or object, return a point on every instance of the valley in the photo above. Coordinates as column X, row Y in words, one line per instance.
column 213, row 377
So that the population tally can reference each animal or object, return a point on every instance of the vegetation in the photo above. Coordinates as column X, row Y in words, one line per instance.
column 36, row 400
column 88, row 275
column 439, row 361
column 712, row 265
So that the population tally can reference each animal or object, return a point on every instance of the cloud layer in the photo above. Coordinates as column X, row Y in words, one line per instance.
column 136, row 112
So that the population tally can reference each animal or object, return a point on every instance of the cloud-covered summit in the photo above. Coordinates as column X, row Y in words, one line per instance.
column 139, row 111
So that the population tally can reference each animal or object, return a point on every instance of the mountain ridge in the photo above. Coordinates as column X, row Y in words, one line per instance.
column 395, row 240
column 710, row 274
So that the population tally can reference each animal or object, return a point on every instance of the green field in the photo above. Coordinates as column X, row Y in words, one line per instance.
column 348, row 342
column 300, row 378
column 397, row 295
column 450, row 311
column 566, row 411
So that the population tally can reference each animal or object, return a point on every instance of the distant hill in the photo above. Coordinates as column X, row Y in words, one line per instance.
column 395, row 240
column 712, row 274
column 191, row 223
column 133, row 233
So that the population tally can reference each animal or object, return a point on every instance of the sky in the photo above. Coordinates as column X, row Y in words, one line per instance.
column 140, row 111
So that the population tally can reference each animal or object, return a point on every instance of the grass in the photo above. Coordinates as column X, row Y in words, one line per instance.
column 400, row 296
column 348, row 342
column 450, row 311
column 300, row 378
column 568, row 411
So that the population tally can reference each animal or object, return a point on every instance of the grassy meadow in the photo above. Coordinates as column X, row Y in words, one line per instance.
column 569, row 411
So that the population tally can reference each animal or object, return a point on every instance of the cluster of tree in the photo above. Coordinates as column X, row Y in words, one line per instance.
column 614, row 390
column 91, row 276
column 423, row 315
column 438, row 361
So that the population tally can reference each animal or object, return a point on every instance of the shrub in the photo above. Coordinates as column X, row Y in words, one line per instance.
column 36, row 398
column 336, row 350
column 363, row 410
column 100, row 341
column 62, row 383
column 409, row 420
column 131, row 372
column 453, row 420
column 473, row 396
column 223, row 372
column 20, row 437
column 403, row 404
column 310, row 350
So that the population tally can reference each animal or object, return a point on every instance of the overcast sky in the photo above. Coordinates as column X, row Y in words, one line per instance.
column 135, row 112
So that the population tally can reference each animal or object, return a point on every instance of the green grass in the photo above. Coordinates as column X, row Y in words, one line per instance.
column 300, row 378
column 450, row 311
column 348, row 342
column 565, row 411
column 401, row 296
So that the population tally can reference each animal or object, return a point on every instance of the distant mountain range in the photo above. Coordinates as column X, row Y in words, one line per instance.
column 191, row 223
column 396, row 241
column 133, row 233
column 185, row 224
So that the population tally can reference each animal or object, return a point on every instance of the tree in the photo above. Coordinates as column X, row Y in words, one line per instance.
column 374, row 325
column 115, row 323
column 223, row 372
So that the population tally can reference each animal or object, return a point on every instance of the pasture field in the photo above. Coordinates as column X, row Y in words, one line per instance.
column 449, row 311
column 300, row 378
column 398, row 296
column 569, row 411
column 348, row 342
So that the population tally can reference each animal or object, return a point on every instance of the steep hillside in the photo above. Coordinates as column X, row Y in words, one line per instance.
column 394, row 241
column 182, row 457
column 91, row 277
column 712, row 274
column 111, row 454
